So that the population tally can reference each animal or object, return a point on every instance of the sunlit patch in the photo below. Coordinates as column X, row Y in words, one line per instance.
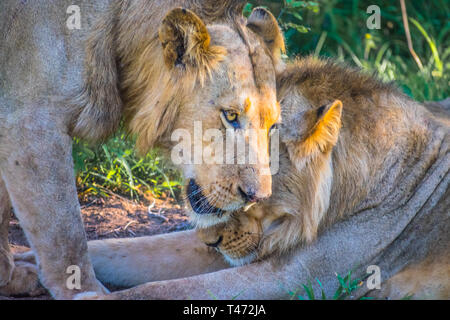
column 269, row 116
column 248, row 105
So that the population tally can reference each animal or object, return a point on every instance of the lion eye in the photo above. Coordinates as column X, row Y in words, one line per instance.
column 232, row 118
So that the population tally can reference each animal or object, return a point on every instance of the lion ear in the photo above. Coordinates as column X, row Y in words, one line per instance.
column 262, row 22
column 318, row 130
column 186, row 41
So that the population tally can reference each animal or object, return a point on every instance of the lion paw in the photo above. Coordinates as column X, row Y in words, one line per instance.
column 24, row 281
column 6, row 268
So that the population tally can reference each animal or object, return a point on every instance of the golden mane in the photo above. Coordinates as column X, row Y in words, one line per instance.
column 124, row 58
column 371, row 108
column 320, row 78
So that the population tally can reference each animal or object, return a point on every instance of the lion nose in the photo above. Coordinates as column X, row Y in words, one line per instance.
column 215, row 244
column 250, row 196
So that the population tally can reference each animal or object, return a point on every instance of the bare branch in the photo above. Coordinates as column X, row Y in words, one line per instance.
column 408, row 35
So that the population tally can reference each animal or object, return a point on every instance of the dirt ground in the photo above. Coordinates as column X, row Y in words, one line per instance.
column 116, row 217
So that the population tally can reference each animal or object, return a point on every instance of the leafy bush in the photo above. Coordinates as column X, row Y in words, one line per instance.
column 115, row 167
column 337, row 28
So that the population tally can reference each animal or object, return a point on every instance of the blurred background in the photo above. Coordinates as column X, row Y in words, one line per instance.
column 328, row 28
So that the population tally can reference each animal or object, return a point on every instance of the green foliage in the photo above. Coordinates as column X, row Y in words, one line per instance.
column 337, row 28
column 115, row 167
column 346, row 287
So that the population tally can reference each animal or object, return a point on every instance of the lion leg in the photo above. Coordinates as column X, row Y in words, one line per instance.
column 16, row 278
column 24, row 281
column 6, row 259
column 38, row 174
column 130, row 262
column 353, row 244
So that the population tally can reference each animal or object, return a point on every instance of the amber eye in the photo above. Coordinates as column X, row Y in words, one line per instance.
column 232, row 118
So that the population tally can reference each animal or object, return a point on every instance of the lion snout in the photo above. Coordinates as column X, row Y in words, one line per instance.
column 254, row 188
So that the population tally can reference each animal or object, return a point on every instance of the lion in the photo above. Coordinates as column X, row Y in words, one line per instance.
column 160, row 66
column 363, row 182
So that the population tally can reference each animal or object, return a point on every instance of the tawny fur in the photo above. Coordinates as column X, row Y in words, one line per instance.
column 161, row 64
column 112, row 89
column 370, row 190
column 377, row 194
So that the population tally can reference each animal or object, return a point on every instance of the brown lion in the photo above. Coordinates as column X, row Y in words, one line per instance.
column 163, row 65
column 363, row 180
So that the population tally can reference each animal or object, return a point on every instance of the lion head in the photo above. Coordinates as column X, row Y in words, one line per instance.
column 195, row 85
column 238, row 239
column 216, row 85
column 275, row 224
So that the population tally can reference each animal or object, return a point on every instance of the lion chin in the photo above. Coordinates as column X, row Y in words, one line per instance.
column 241, row 261
column 202, row 213
column 202, row 221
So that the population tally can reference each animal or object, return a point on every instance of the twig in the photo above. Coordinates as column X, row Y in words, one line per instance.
column 408, row 35
column 128, row 224
column 158, row 215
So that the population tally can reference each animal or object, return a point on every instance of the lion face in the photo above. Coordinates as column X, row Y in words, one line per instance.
column 284, row 220
column 231, row 109
column 219, row 116
column 237, row 240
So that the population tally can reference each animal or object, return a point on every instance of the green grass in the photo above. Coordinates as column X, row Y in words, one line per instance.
column 346, row 288
column 115, row 167
column 337, row 28
column 332, row 28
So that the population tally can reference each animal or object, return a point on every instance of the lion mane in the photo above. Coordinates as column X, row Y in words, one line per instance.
column 347, row 137
column 112, row 89
column 101, row 101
